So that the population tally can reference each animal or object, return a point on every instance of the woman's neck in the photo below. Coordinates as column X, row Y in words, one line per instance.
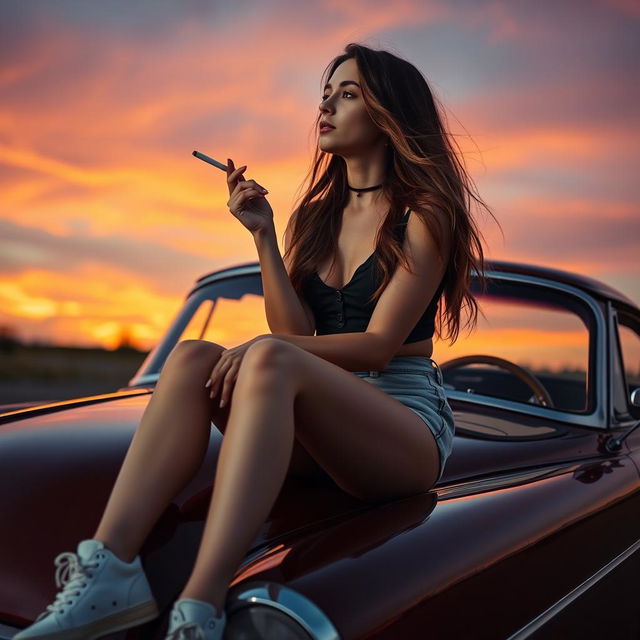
column 368, row 201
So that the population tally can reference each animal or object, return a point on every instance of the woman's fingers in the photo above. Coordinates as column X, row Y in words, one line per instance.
column 229, row 382
column 235, row 178
column 214, row 383
column 214, row 375
column 235, row 173
column 224, row 374
column 248, row 194
column 231, row 167
column 243, row 192
column 250, row 184
column 219, row 373
column 237, row 201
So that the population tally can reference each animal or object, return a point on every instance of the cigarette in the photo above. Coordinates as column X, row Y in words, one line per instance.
column 206, row 158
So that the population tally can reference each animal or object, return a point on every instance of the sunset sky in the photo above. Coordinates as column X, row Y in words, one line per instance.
column 106, row 219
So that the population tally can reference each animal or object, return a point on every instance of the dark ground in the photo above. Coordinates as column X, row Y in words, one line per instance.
column 47, row 373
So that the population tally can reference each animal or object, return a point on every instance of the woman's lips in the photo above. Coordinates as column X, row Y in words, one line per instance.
column 326, row 129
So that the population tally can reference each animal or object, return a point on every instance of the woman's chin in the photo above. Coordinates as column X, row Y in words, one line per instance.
column 327, row 147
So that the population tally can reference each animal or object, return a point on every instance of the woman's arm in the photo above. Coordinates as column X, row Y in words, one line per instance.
column 358, row 351
column 286, row 312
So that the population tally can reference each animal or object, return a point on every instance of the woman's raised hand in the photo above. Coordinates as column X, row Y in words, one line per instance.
column 247, row 200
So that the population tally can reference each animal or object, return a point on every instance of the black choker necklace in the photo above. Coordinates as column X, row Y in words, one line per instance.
column 365, row 189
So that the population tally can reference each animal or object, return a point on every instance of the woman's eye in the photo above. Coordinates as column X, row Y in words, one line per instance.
column 349, row 92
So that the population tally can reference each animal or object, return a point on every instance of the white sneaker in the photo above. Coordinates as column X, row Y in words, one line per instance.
column 195, row 620
column 101, row 594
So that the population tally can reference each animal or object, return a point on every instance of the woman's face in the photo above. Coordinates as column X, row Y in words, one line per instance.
column 355, row 133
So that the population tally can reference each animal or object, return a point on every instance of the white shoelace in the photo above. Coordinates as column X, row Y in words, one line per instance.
column 188, row 631
column 71, row 574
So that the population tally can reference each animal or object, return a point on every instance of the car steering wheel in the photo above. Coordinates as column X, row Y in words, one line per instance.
column 540, row 394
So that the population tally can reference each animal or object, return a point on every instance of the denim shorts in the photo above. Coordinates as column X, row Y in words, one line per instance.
column 417, row 382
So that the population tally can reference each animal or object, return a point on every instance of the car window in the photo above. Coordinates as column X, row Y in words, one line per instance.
column 227, row 319
column 544, row 331
column 629, row 338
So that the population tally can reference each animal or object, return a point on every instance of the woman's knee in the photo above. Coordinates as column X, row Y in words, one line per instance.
column 190, row 352
column 269, row 352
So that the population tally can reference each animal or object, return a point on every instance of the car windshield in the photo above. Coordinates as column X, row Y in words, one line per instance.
column 545, row 331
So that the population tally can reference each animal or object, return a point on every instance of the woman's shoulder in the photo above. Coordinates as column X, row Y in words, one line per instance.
column 436, row 223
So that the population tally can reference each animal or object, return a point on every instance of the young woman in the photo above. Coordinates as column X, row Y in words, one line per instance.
column 382, row 231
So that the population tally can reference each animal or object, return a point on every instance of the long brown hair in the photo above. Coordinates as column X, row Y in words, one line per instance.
column 422, row 172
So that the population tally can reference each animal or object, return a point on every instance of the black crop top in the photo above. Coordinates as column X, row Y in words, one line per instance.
column 347, row 310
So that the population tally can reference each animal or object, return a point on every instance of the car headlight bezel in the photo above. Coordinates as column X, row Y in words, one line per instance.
column 266, row 603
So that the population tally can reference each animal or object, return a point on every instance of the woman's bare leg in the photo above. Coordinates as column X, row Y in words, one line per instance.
column 168, row 448
column 166, row 451
column 377, row 449
column 252, row 465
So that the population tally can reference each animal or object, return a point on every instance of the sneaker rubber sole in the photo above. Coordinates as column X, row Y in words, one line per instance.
column 109, row 624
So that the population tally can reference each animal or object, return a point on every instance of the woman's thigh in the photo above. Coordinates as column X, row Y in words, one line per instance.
column 199, row 357
column 370, row 444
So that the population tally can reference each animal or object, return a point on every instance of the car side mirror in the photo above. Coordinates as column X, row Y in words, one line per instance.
column 635, row 397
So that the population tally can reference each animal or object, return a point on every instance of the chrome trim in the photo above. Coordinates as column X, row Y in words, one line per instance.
column 611, row 352
column 566, row 600
column 619, row 420
column 307, row 614
column 574, row 419
column 49, row 406
column 141, row 381
column 240, row 270
column 7, row 632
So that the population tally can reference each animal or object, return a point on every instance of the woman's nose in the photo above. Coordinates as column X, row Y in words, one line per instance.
column 325, row 105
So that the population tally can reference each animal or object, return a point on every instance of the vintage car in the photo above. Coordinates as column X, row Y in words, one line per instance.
column 533, row 531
